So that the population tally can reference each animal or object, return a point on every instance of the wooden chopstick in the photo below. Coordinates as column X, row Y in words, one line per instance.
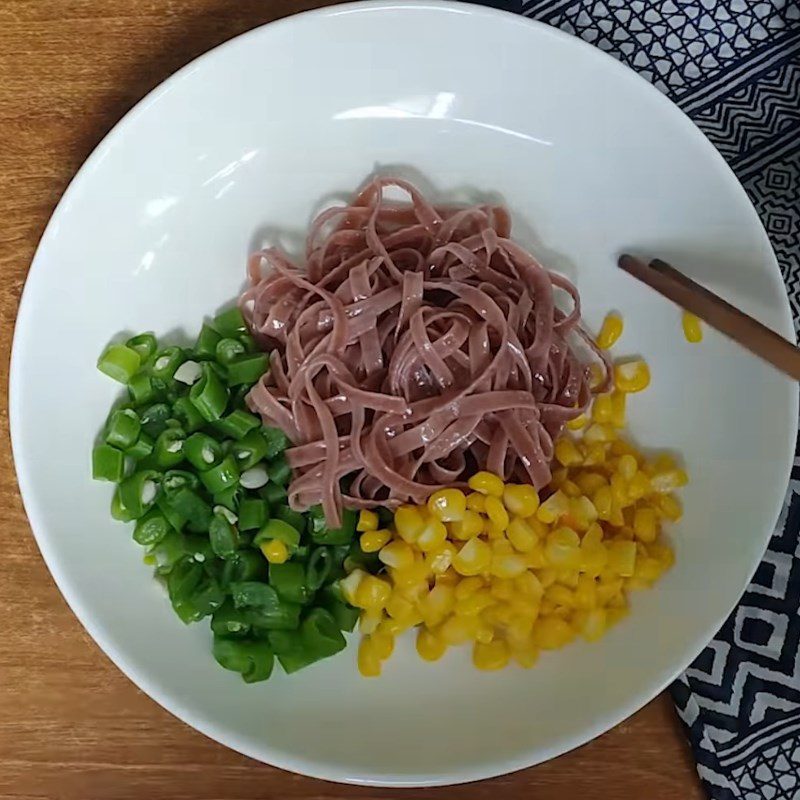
column 718, row 313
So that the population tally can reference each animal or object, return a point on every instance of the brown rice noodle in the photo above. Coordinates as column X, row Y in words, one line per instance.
column 417, row 345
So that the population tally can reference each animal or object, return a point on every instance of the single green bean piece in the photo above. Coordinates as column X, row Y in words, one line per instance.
column 223, row 536
column 253, row 659
column 293, row 518
column 187, row 504
column 186, row 413
column 118, row 510
column 275, row 495
column 277, row 441
column 237, row 424
column 154, row 418
column 176, row 520
column 169, row 448
column 228, row 349
column 321, row 634
column 142, row 389
column 249, row 343
column 253, row 514
column 119, row 362
column 345, row 615
column 249, row 450
column 221, row 477
column 166, row 361
column 246, row 565
column 175, row 479
column 230, row 323
column 318, row 567
column 192, row 592
column 144, row 344
column 279, row 470
column 246, row 369
column 229, row 498
column 290, row 650
column 322, row 534
column 202, row 451
column 266, row 610
column 151, row 528
column 229, row 621
column 209, row 395
column 206, row 344
column 108, row 463
column 142, row 448
column 289, row 581
column 138, row 492
column 122, row 428
column 278, row 529
column 167, row 552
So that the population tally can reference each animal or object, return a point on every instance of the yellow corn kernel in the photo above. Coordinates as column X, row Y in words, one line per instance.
column 639, row 486
column 536, row 558
column 438, row 603
column 439, row 561
column 558, row 477
column 448, row 505
column 603, row 501
column 560, row 595
column 663, row 553
column 585, row 592
column 547, row 576
column 618, row 409
column 486, row 483
column 610, row 331
column 275, row 551
column 622, row 558
column 599, row 433
column 648, row 569
column 597, row 375
column 350, row 584
column 492, row 530
column 606, row 590
column 566, row 452
column 369, row 663
column 619, row 490
column 409, row 523
column 592, row 623
column 669, row 480
column 571, row 489
column 670, row 507
column 616, row 614
column 595, row 455
column 490, row 656
column 467, row 527
column 372, row 541
column 367, row 521
column 372, row 593
column 432, row 536
column 474, row 557
column 501, row 547
column 392, row 627
column 521, row 535
column 562, row 549
column 521, row 499
column 632, row 376
column 568, row 578
column 526, row 654
column 577, row 423
column 692, row 328
column 551, row 633
column 468, row 586
column 397, row 554
column 497, row 513
column 529, row 586
column 508, row 566
column 430, row 645
column 400, row 608
column 627, row 467
column 645, row 524
column 369, row 620
column 475, row 603
column 602, row 410
column 593, row 558
column 555, row 506
column 590, row 482
column 458, row 629
column 476, row 502
column 582, row 512
column 616, row 520
column 484, row 633
column 383, row 644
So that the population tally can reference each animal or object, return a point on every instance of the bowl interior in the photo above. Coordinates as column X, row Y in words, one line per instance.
column 242, row 146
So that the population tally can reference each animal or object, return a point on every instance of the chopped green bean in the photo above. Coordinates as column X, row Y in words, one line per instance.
column 186, row 413
column 253, row 514
column 249, row 343
column 321, row 634
column 209, row 395
column 237, row 424
column 319, row 567
column 293, row 518
column 289, row 581
column 230, row 323
column 138, row 492
column 249, row 450
column 154, row 418
column 118, row 510
column 228, row 349
column 253, row 659
column 278, row 529
column 290, row 650
column 192, row 592
column 167, row 552
column 176, row 520
column 166, row 361
column 266, row 610
column 151, row 528
column 188, row 504
column 246, row 565
column 202, row 451
column 108, row 463
column 206, row 344
column 119, row 362
column 345, row 615
column 279, row 470
column 277, row 441
column 223, row 536
column 122, row 429
column 144, row 344
column 246, row 369
column 229, row 621
column 169, row 448
column 229, row 498
column 322, row 534
column 142, row 448
column 221, row 477
column 175, row 479
column 275, row 495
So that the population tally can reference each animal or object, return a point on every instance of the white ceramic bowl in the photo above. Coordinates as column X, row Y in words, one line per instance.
column 153, row 233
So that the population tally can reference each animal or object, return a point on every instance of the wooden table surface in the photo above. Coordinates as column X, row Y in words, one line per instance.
column 71, row 725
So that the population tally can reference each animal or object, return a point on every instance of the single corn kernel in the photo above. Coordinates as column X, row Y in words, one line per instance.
column 458, row 629
column 595, row 455
column 632, row 376
column 555, row 506
column 610, row 331
column 467, row 587
column 663, row 553
column 692, row 328
column 484, row 634
column 521, row 535
column 411, row 577
column 475, row 603
column 585, row 592
column 645, row 524
column 577, row 423
column 593, row 558
column 486, row 483
column 448, row 505
column 560, row 595
column 602, row 410
column 562, row 549
column 639, row 486
column 501, row 547
column 619, row 490
column 493, row 530
column 670, row 507
column 372, row 593
column 369, row 621
column 275, row 551
column 599, row 433
column 430, row 646
column 350, row 584
column 474, row 557
column 547, row 576
column 369, row 663
column 525, row 654
column 490, row 656
column 367, row 521
column 432, row 536
column 648, row 569
column 371, row 541
column 476, row 502
column 627, row 467
column 528, row 585
column 508, row 566
column 392, row 627
column 603, row 501
column 497, row 513
column 536, row 558
column 566, row 452
column 590, row 482
column 409, row 523
column 400, row 608
column 622, row 558
column 397, row 554
column 471, row 524
column 669, row 480
column 520, row 499
column 597, row 375
column 582, row 512
column 439, row 561
column 571, row 489
column 551, row 633
column 618, row 409
column 592, row 624
column 383, row 644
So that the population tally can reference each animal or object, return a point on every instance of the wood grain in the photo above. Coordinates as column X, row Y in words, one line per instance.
column 71, row 725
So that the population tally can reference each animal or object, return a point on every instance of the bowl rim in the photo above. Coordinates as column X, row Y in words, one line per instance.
column 292, row 762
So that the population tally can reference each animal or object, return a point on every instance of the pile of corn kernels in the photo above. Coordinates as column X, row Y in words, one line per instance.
column 511, row 575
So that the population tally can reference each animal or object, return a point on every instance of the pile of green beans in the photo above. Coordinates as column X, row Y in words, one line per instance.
column 205, row 484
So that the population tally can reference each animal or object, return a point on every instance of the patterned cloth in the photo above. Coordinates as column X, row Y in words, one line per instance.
column 734, row 67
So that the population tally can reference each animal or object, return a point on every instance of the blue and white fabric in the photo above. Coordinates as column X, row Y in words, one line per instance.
column 734, row 67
